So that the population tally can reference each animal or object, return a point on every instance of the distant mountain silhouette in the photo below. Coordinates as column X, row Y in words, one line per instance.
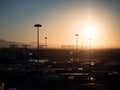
column 5, row 43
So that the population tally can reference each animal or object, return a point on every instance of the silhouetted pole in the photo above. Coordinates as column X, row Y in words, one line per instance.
column 90, row 49
column 38, row 46
column 76, row 41
column 45, row 42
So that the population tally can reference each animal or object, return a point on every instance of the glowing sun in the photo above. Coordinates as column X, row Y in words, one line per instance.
column 89, row 30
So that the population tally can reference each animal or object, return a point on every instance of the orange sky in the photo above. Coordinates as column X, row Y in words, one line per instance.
column 61, row 20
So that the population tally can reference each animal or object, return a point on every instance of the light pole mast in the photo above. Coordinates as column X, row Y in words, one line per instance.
column 76, row 41
column 45, row 42
column 38, row 46
column 90, row 49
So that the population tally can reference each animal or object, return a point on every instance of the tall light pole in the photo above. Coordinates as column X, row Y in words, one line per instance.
column 90, row 44
column 45, row 42
column 90, row 52
column 90, row 49
column 76, row 41
column 38, row 46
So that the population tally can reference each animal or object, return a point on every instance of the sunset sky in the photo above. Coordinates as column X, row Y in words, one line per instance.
column 61, row 20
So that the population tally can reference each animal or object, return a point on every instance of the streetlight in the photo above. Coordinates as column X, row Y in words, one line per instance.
column 89, row 48
column 45, row 42
column 76, row 41
column 38, row 46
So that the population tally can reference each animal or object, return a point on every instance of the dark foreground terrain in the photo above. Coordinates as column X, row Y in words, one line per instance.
column 60, row 69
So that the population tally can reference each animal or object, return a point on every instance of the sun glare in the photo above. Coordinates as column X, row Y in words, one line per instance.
column 89, row 30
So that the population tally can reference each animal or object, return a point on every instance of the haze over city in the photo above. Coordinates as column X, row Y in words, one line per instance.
column 98, row 20
column 59, row 44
